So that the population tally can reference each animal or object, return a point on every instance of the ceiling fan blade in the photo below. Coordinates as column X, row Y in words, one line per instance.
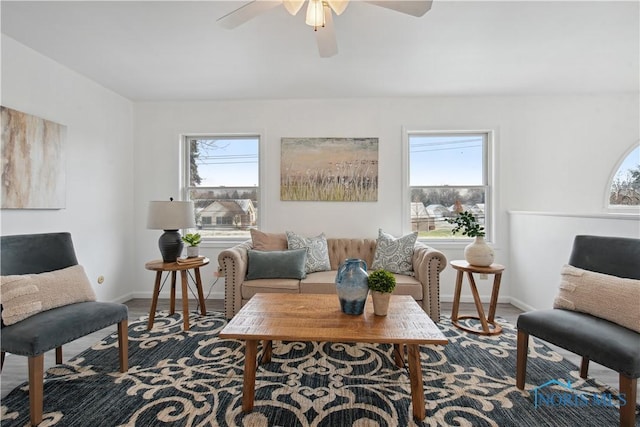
column 410, row 7
column 247, row 12
column 338, row 6
column 326, row 36
column 293, row 6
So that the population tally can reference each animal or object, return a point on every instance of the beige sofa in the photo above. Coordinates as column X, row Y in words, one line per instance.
column 423, row 286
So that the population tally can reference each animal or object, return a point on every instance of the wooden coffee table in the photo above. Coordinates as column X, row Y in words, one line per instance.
column 309, row 317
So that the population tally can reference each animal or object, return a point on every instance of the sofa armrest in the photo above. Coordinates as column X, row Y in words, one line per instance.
column 233, row 264
column 427, row 265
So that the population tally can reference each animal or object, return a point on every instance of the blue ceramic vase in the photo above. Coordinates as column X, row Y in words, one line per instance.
column 352, row 285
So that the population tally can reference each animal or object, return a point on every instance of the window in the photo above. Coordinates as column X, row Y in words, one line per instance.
column 448, row 173
column 221, row 176
column 625, row 184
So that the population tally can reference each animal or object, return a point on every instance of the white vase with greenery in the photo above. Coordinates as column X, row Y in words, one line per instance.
column 477, row 253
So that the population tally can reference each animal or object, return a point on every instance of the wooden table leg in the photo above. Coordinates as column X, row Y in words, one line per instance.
column 398, row 355
column 456, row 296
column 249, row 384
column 185, row 299
column 476, row 298
column 203, row 309
column 154, row 300
column 267, row 347
column 172, row 301
column 494, row 297
column 415, row 378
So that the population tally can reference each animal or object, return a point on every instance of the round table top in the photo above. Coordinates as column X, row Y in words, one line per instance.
column 159, row 265
column 462, row 265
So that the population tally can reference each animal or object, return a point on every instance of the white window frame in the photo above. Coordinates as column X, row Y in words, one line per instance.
column 489, row 177
column 185, row 153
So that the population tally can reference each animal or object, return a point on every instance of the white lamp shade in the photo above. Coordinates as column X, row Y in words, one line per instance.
column 170, row 215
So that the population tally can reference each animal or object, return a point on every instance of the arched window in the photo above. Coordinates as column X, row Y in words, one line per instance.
column 625, row 182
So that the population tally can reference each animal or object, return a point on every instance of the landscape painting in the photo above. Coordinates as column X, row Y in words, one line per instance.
column 33, row 167
column 329, row 169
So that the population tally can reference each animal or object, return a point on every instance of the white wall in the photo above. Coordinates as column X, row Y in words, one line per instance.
column 99, row 167
column 541, row 244
column 552, row 153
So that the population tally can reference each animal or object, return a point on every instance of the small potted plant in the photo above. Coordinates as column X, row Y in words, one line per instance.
column 193, row 240
column 478, row 253
column 381, row 283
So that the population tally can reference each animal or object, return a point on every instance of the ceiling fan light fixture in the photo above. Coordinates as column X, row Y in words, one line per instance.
column 315, row 14
column 338, row 6
column 293, row 6
column 319, row 15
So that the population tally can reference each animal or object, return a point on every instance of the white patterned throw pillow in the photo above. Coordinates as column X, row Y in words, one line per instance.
column 317, row 250
column 394, row 254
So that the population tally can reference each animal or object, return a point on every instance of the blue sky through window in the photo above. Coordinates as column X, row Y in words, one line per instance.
column 446, row 160
column 229, row 162
column 630, row 162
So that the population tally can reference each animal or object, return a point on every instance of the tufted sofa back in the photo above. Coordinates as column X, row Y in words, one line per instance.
column 341, row 249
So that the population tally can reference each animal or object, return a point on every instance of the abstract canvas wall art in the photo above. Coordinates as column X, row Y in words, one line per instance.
column 33, row 163
column 329, row 169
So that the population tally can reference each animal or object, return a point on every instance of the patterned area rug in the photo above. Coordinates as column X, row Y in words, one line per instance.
column 195, row 379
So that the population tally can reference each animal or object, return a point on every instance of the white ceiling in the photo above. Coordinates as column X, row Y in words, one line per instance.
column 174, row 50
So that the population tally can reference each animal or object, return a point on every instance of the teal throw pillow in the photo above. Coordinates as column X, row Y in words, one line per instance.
column 277, row 264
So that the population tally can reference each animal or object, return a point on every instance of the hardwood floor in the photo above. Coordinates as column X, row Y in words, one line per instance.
column 14, row 371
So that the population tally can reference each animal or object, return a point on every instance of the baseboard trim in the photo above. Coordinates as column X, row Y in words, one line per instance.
column 124, row 298
column 468, row 298
column 522, row 306
column 167, row 295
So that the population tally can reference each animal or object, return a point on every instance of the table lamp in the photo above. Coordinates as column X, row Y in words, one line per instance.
column 170, row 216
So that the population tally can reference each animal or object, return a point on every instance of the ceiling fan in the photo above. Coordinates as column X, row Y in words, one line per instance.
column 319, row 15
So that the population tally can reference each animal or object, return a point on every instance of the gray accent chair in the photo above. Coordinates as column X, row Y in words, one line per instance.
column 35, row 335
column 593, row 338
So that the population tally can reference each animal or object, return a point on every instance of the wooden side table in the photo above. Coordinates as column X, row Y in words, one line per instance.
column 489, row 327
column 159, row 267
